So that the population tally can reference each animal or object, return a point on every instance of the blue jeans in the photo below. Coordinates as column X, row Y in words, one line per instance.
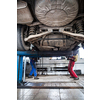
column 33, row 65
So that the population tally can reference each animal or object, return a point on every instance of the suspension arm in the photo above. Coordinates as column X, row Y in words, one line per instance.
column 74, row 35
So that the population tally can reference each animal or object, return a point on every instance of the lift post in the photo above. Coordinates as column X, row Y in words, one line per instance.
column 19, row 68
column 24, row 69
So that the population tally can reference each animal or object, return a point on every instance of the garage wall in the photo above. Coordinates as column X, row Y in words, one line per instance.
column 79, row 65
column 47, row 63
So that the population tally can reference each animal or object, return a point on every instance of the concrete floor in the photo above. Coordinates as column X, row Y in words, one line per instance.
column 53, row 94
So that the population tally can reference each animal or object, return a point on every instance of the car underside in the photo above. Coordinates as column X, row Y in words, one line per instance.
column 50, row 25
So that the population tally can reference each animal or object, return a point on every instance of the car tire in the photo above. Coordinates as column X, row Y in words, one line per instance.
column 21, row 45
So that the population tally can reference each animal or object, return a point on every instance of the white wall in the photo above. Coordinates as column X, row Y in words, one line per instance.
column 79, row 66
column 80, row 60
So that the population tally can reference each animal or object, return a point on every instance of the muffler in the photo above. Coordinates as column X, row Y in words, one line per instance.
column 23, row 13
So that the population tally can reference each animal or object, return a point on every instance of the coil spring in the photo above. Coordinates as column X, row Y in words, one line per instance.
column 32, row 30
column 80, row 26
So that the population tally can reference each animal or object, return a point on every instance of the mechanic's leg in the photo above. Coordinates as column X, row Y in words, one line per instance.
column 32, row 70
column 35, row 73
column 30, row 75
column 69, row 67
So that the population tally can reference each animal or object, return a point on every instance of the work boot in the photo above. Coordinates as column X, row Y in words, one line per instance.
column 72, row 77
column 36, row 78
column 76, row 78
column 29, row 76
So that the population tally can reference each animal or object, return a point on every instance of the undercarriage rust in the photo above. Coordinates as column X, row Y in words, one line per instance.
column 48, row 40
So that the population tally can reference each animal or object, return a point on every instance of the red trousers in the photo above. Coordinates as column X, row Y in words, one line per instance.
column 70, row 69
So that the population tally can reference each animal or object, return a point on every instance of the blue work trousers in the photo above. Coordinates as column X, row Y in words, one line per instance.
column 33, row 65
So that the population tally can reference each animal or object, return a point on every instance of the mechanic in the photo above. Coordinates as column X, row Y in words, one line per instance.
column 71, row 65
column 33, row 65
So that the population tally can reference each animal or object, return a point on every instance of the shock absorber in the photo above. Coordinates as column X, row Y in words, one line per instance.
column 80, row 26
column 32, row 30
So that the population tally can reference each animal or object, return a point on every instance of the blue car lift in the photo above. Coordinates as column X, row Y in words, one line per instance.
column 35, row 54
